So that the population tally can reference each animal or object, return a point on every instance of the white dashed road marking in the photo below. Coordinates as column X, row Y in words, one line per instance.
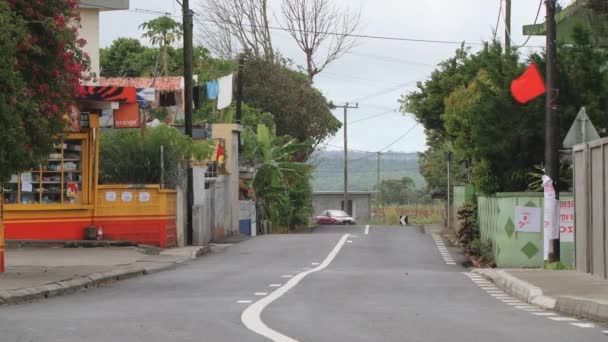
column 275, row 285
column 367, row 229
column 544, row 313
column 563, row 319
column 244, row 301
column 260, row 293
column 251, row 317
column 445, row 254
column 493, row 291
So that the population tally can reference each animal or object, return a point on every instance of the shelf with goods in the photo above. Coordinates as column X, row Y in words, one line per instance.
column 59, row 180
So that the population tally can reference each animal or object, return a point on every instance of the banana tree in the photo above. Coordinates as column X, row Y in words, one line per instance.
column 277, row 173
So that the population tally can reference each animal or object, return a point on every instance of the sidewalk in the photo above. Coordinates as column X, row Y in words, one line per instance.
column 36, row 273
column 570, row 292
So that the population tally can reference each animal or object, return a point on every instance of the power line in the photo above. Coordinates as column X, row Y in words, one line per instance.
column 366, row 36
column 385, row 91
column 393, row 143
column 373, row 116
column 540, row 5
column 390, row 59
column 497, row 20
column 401, row 137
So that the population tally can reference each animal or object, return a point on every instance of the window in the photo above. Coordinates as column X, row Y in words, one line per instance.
column 59, row 181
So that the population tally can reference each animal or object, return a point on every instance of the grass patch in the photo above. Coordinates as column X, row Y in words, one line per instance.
column 418, row 214
column 555, row 266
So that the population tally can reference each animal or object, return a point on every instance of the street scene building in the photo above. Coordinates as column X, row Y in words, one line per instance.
column 303, row 170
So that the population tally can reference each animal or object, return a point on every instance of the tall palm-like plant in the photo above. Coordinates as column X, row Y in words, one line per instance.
column 276, row 171
column 163, row 31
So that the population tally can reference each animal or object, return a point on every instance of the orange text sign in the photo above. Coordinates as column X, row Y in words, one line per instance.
column 127, row 116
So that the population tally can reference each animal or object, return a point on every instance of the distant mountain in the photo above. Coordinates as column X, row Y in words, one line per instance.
column 328, row 174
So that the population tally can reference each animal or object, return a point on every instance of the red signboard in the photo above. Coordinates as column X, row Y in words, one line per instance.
column 116, row 94
column 127, row 116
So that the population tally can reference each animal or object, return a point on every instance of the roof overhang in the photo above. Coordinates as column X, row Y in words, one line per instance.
column 105, row 5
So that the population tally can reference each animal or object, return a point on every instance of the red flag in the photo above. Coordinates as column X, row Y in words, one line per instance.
column 219, row 155
column 528, row 86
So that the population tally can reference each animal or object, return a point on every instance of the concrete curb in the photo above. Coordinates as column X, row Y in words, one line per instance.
column 28, row 294
column 593, row 309
column 518, row 288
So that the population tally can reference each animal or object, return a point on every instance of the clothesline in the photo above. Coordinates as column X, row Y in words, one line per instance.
column 220, row 90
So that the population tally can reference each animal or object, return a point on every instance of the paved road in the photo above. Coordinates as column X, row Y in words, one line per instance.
column 392, row 284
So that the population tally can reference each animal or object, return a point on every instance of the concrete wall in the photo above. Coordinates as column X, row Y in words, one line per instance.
column 247, row 218
column 516, row 249
column 90, row 32
column 180, row 220
column 201, row 232
column 361, row 204
column 229, row 134
column 89, row 13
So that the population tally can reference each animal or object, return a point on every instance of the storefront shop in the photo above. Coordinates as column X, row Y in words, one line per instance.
column 60, row 198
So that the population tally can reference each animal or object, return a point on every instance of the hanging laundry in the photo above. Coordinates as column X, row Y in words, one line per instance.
column 167, row 99
column 225, row 92
column 199, row 94
column 212, row 90
column 196, row 97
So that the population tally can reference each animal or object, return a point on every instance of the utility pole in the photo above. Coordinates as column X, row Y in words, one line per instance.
column 346, row 108
column 507, row 26
column 188, row 28
column 378, row 181
column 448, row 158
column 239, row 88
column 551, row 156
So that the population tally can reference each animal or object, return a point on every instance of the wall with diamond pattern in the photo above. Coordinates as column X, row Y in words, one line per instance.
column 515, row 249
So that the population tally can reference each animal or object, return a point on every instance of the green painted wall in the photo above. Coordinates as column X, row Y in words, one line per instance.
column 515, row 249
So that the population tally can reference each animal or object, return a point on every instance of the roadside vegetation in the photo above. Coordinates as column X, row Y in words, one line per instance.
column 468, row 236
column 418, row 214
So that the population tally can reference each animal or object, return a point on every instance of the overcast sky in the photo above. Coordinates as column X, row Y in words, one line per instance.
column 377, row 72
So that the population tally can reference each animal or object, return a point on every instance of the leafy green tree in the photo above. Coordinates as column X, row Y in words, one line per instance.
column 299, row 110
column 126, row 57
column 583, row 80
column 397, row 191
column 42, row 66
column 163, row 31
column 466, row 106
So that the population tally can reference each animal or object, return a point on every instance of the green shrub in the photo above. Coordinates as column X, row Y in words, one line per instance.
column 127, row 157
column 468, row 230
column 481, row 248
column 160, row 113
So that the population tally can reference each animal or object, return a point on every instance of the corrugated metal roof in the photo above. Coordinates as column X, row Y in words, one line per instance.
column 161, row 83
